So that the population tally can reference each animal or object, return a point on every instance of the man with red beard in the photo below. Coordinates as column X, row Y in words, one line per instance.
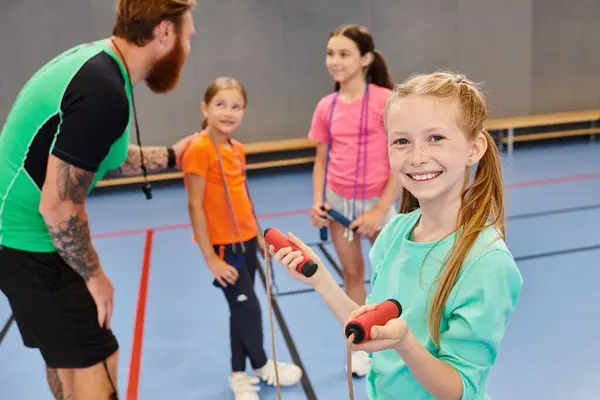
column 69, row 127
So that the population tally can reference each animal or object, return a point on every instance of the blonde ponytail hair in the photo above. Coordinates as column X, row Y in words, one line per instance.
column 482, row 201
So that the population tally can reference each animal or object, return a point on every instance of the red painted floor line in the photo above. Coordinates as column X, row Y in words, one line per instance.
column 140, row 316
column 188, row 225
column 553, row 181
column 519, row 185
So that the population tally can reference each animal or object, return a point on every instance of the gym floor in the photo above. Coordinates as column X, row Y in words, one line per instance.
column 172, row 323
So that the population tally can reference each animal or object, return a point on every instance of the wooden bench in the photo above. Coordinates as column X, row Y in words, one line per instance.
column 288, row 152
column 550, row 126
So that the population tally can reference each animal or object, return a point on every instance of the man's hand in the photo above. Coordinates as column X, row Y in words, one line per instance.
column 102, row 292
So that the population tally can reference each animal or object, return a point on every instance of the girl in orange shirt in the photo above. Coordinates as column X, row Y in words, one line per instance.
column 227, row 233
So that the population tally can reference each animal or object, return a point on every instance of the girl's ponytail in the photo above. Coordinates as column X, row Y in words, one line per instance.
column 378, row 73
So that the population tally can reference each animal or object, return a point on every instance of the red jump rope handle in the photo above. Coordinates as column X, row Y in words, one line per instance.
column 274, row 237
column 361, row 325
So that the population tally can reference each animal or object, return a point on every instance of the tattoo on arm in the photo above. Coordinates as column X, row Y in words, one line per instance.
column 70, row 232
column 72, row 240
column 73, row 183
column 155, row 158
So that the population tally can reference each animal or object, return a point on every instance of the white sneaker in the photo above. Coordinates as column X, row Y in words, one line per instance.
column 289, row 374
column 360, row 363
column 243, row 387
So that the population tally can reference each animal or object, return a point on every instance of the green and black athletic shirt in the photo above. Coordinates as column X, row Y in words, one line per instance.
column 77, row 108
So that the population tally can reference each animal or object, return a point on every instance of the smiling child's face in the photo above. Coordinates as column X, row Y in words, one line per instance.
column 225, row 111
column 429, row 152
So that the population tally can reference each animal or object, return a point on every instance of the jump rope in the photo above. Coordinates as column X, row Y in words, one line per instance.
column 363, row 132
column 359, row 329
column 356, row 331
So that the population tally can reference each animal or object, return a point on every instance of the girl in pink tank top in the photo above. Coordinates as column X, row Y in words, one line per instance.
column 351, row 174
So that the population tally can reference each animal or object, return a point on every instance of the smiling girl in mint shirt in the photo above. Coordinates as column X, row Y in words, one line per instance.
column 443, row 257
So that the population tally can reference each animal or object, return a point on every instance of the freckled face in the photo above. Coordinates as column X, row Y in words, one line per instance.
column 429, row 153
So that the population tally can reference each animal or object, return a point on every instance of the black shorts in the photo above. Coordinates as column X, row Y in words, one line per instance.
column 53, row 309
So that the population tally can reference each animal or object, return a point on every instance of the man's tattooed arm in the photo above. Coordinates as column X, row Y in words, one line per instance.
column 63, row 208
column 155, row 158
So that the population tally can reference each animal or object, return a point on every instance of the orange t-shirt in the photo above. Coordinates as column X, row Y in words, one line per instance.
column 200, row 158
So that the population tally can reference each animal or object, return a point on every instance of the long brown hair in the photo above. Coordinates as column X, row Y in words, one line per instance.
column 222, row 83
column 378, row 72
column 482, row 202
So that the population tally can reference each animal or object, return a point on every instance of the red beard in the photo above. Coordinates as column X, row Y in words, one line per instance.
column 166, row 73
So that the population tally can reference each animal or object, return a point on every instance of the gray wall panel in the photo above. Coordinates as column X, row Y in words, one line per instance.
column 307, row 28
column 566, row 60
column 239, row 39
column 32, row 33
column 531, row 55
column 493, row 46
column 415, row 35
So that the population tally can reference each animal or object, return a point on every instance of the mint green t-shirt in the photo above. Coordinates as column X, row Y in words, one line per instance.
column 476, row 313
